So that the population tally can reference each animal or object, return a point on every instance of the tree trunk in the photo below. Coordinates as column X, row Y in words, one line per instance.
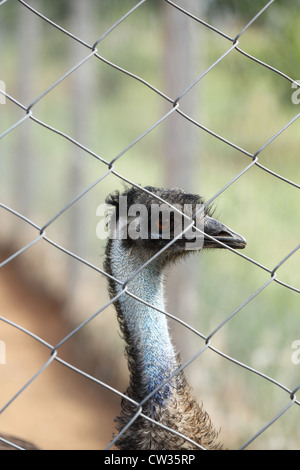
column 180, row 149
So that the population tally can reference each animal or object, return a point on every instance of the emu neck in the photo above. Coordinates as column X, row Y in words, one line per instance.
column 150, row 351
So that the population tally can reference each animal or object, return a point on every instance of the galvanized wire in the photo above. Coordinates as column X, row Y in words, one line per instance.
column 174, row 107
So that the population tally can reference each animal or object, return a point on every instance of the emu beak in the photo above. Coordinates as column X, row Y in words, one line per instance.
column 213, row 228
column 221, row 233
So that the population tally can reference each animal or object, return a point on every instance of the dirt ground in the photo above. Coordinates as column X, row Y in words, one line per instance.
column 60, row 409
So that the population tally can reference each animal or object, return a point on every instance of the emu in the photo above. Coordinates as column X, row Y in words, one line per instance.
column 151, row 356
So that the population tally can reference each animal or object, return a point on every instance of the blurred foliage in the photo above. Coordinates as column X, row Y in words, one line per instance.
column 239, row 100
column 246, row 8
column 280, row 31
column 59, row 11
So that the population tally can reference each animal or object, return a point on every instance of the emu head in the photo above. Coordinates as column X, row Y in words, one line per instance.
column 169, row 221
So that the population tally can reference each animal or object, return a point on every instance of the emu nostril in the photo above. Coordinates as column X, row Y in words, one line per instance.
column 223, row 234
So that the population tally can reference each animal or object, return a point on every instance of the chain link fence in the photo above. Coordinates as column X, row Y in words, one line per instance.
column 35, row 219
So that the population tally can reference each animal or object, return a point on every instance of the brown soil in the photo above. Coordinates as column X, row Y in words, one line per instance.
column 60, row 409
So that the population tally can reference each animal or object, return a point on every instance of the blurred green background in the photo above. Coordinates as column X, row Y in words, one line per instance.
column 105, row 110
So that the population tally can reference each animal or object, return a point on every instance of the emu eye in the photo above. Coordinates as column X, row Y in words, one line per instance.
column 162, row 225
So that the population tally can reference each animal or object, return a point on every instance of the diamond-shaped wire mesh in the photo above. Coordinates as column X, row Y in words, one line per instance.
column 85, row 108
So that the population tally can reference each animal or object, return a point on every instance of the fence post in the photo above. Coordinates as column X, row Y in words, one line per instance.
column 81, row 19
column 180, row 146
column 28, row 88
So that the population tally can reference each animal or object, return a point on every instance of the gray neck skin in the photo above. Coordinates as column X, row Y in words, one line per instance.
column 148, row 330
